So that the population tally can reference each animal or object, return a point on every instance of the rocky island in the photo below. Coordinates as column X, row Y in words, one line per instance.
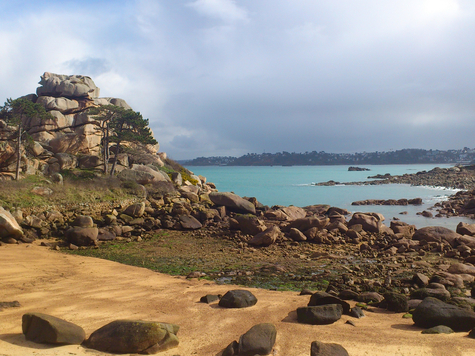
column 354, row 274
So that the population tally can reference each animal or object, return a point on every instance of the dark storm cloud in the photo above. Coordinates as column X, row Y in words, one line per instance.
column 224, row 77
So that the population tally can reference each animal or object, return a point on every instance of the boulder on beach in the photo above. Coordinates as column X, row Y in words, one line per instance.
column 134, row 336
column 258, row 340
column 48, row 329
column 433, row 312
column 318, row 348
column 319, row 315
column 238, row 298
column 323, row 298
column 395, row 302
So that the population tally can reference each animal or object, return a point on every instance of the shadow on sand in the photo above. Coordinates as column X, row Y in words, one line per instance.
column 19, row 340
column 406, row 327
column 291, row 317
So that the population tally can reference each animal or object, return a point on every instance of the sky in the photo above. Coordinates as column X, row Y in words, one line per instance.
column 230, row 77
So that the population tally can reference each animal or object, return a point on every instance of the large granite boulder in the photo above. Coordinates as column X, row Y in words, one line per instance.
column 233, row 202
column 159, row 176
column 304, row 224
column 82, row 236
column 250, row 224
column 66, row 160
column 134, row 336
column 436, row 234
column 319, row 315
column 432, row 312
column 47, row 329
column 400, row 227
column 461, row 268
column 189, row 222
column 89, row 161
column 258, row 340
column 395, row 302
column 136, row 176
column 370, row 222
column 286, row 213
column 266, row 237
column 238, row 298
column 327, row 349
column 83, row 221
column 63, row 105
column 465, row 229
column 434, row 290
column 323, row 298
column 8, row 225
column 135, row 210
column 69, row 86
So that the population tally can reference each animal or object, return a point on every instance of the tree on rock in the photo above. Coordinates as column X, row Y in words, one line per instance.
column 104, row 115
column 14, row 113
column 129, row 126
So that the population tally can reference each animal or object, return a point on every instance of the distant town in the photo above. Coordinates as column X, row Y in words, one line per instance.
column 404, row 156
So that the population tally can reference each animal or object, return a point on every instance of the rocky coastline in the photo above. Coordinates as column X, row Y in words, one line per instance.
column 352, row 257
column 459, row 177
column 395, row 267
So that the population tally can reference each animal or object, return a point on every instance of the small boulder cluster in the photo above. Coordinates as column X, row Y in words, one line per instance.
column 119, row 336
column 260, row 339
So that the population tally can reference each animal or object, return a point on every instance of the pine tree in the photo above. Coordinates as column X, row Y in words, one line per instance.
column 105, row 114
column 15, row 113
column 129, row 126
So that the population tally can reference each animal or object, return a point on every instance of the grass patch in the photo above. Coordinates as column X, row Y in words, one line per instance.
column 77, row 189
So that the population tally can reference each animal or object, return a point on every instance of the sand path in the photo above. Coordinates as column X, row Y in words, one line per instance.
column 92, row 292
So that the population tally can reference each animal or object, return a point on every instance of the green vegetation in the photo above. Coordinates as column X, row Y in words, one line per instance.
column 120, row 125
column 80, row 187
column 185, row 174
column 180, row 253
column 16, row 113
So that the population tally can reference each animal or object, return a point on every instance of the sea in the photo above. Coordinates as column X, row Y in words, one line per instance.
column 295, row 185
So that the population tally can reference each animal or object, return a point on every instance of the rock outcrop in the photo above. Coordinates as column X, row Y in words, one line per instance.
column 71, row 131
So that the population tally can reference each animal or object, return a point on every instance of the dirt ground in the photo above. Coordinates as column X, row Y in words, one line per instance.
column 92, row 292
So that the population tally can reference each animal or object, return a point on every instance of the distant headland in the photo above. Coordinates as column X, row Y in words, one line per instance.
column 314, row 158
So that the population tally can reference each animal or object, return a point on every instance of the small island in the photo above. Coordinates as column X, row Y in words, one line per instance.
column 358, row 169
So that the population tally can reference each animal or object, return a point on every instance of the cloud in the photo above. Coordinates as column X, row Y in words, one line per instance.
column 222, row 77
column 225, row 10
column 88, row 66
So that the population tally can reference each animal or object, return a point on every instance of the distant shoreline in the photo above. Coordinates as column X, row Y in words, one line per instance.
column 404, row 156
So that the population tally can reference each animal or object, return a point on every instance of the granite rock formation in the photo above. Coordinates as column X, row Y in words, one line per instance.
column 72, row 132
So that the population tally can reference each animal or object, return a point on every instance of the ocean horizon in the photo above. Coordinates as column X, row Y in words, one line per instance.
column 295, row 185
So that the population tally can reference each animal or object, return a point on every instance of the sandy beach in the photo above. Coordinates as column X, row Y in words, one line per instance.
column 92, row 292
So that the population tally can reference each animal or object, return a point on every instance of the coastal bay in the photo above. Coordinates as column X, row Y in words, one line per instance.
column 294, row 185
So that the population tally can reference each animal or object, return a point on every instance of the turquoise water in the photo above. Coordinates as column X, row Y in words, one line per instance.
column 279, row 185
